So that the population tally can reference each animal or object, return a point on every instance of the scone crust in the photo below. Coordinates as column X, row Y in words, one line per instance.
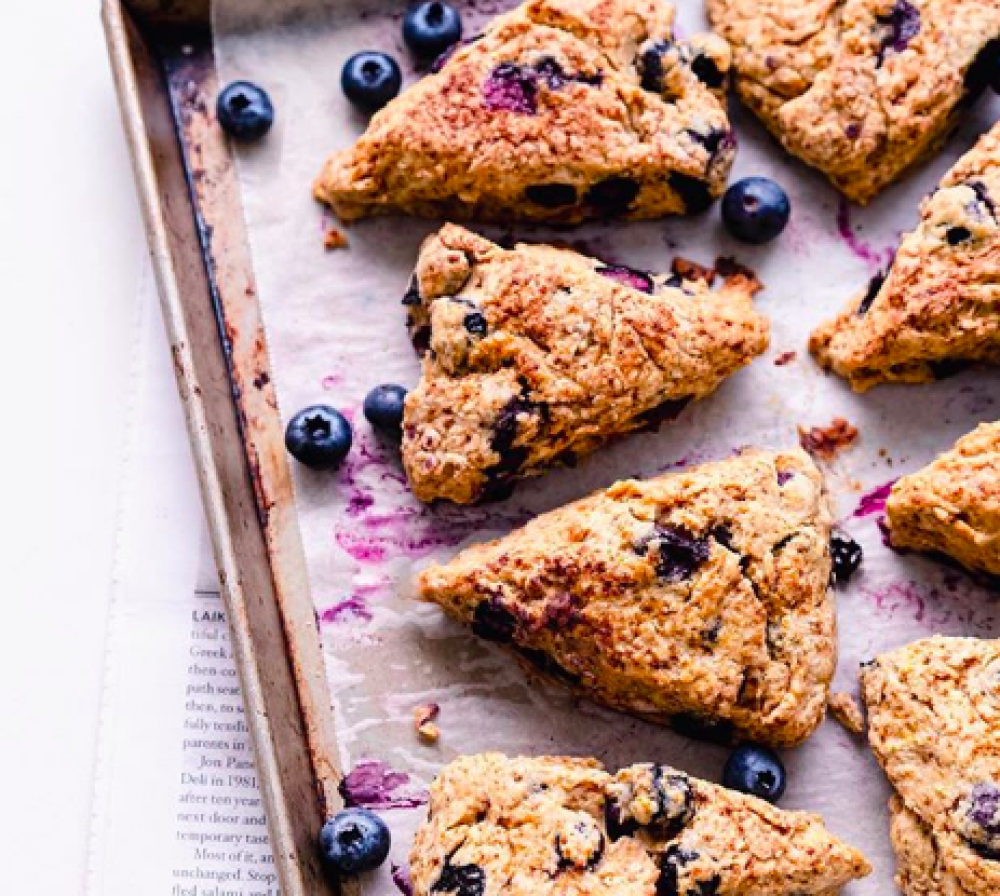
column 952, row 506
column 939, row 303
column 703, row 594
column 554, row 825
column 934, row 725
column 536, row 357
column 551, row 96
column 860, row 89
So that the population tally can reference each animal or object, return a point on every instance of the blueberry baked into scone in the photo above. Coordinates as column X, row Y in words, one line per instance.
column 938, row 305
column 952, row 506
column 562, row 110
column 860, row 89
column 698, row 599
column 934, row 725
column 556, row 825
column 536, row 355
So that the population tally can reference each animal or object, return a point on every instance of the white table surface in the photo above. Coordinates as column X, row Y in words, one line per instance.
column 71, row 260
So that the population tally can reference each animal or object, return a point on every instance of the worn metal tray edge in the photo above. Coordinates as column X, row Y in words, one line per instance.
column 201, row 261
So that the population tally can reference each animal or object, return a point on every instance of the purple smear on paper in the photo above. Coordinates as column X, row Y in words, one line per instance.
column 900, row 597
column 385, row 522
column 401, row 878
column 874, row 501
column 372, row 784
column 331, row 381
column 862, row 249
column 351, row 606
column 883, row 530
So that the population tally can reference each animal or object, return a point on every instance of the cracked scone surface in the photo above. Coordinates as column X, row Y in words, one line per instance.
column 860, row 89
column 952, row 506
column 555, row 825
column 538, row 355
column 563, row 110
column 939, row 303
column 934, row 725
column 698, row 598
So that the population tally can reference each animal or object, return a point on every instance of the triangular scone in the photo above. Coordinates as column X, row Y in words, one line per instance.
column 699, row 599
column 934, row 725
column 538, row 355
column 952, row 506
column 863, row 89
column 555, row 826
column 939, row 303
column 563, row 110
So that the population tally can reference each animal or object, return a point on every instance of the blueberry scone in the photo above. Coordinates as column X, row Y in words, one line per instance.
column 563, row 110
column 860, row 89
column 952, row 506
column 938, row 305
column 934, row 725
column 699, row 598
column 555, row 825
column 537, row 355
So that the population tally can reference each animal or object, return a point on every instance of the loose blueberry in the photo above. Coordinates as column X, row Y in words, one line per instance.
column 846, row 554
column 370, row 79
column 430, row 27
column 319, row 437
column 354, row 840
column 244, row 111
column 755, row 770
column 383, row 409
column 755, row 210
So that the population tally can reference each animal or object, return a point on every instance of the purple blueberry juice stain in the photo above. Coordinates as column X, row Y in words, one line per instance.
column 874, row 501
column 331, row 381
column 355, row 606
column 640, row 280
column 372, row 784
column 864, row 250
column 401, row 878
column 900, row 598
column 511, row 88
column 386, row 523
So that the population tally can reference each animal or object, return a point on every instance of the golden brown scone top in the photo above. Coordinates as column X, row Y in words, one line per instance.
column 562, row 110
column 939, row 304
column 934, row 725
column 538, row 355
column 952, row 506
column 555, row 825
column 699, row 599
column 860, row 89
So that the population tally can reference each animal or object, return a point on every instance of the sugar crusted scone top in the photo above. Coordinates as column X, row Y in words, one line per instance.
column 939, row 303
column 562, row 110
column 700, row 595
column 934, row 725
column 860, row 89
column 536, row 355
column 554, row 825
column 953, row 504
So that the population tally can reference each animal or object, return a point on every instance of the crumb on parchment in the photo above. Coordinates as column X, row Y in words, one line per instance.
column 785, row 358
column 845, row 709
column 827, row 441
column 423, row 721
column 335, row 239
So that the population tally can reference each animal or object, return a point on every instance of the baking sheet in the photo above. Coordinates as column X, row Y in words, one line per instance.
column 335, row 328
